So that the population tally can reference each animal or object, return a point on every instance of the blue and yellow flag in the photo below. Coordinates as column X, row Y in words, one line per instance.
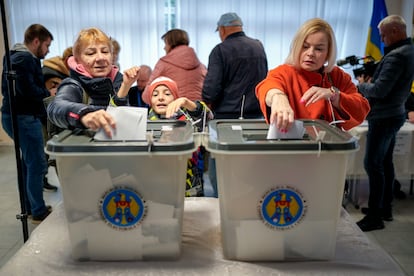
column 375, row 48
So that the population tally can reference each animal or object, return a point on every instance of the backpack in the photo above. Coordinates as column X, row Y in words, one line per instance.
column 194, row 185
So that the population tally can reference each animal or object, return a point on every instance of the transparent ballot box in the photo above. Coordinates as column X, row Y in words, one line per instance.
column 279, row 199
column 124, row 200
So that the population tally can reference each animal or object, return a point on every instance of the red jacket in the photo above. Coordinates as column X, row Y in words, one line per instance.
column 295, row 82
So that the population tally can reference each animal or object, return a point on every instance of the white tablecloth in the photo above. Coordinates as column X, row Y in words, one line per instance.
column 403, row 159
column 47, row 252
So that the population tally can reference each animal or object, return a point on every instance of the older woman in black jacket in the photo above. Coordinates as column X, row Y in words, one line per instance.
column 94, row 82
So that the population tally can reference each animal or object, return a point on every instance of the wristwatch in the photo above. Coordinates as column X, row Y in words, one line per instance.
column 335, row 93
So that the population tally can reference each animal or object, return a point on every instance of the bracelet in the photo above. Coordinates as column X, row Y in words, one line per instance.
column 335, row 93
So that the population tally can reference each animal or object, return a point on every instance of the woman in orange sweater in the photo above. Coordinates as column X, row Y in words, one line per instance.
column 309, row 85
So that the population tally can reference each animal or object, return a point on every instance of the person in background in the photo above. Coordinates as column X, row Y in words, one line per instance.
column 387, row 93
column 409, row 106
column 30, row 91
column 54, row 71
column 115, row 52
column 94, row 83
column 180, row 64
column 135, row 92
column 235, row 66
column 67, row 53
column 166, row 104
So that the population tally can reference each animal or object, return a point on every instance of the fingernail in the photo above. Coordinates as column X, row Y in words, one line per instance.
column 302, row 101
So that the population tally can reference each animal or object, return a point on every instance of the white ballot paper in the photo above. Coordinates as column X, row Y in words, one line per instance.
column 295, row 132
column 131, row 123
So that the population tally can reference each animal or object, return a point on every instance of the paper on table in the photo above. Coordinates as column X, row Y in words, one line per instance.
column 131, row 123
column 295, row 132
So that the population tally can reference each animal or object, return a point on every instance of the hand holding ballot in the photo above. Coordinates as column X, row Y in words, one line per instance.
column 99, row 119
column 295, row 132
column 131, row 124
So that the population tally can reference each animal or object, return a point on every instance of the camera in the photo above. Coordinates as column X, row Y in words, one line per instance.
column 362, row 65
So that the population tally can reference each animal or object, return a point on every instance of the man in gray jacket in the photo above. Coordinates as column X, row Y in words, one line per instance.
column 387, row 93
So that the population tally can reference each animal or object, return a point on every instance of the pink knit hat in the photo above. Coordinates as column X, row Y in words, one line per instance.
column 172, row 86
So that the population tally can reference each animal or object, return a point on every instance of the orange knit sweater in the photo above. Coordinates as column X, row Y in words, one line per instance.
column 295, row 82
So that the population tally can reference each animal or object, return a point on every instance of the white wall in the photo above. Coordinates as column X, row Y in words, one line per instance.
column 405, row 8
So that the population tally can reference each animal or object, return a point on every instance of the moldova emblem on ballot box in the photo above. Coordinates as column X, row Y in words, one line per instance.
column 282, row 208
column 122, row 208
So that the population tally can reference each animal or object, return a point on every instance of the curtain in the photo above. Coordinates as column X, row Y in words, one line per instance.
column 136, row 25
column 274, row 22
column 139, row 24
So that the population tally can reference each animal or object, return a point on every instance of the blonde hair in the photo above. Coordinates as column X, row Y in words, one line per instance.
column 310, row 27
column 86, row 36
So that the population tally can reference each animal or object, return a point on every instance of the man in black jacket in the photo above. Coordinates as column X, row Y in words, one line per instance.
column 387, row 93
column 30, row 91
column 235, row 67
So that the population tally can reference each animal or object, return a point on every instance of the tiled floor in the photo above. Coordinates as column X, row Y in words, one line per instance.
column 11, row 229
column 397, row 238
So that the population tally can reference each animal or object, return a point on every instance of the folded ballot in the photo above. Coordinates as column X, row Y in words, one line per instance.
column 295, row 132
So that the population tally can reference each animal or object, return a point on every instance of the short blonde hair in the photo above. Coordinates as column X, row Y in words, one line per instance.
column 310, row 27
column 86, row 36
